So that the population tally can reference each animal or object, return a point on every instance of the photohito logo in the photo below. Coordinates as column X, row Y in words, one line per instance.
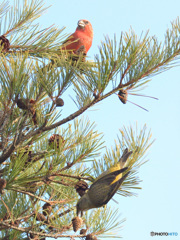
column 167, row 234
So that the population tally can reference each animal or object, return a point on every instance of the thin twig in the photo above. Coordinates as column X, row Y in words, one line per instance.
column 61, row 214
column 8, row 210
column 70, row 176
column 124, row 73
column 44, row 200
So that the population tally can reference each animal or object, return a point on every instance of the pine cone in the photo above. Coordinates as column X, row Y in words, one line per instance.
column 22, row 103
column 40, row 217
column 55, row 139
column 76, row 222
column 2, row 184
column 83, row 231
column 59, row 102
column 90, row 237
column 47, row 209
column 27, row 104
column 81, row 186
column 5, row 43
column 123, row 94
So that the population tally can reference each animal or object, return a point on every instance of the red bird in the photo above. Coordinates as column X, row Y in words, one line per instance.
column 81, row 39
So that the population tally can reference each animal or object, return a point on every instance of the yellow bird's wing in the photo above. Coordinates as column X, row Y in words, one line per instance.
column 104, row 189
column 114, row 187
column 118, row 166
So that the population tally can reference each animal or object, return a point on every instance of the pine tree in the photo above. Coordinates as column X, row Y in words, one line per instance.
column 47, row 159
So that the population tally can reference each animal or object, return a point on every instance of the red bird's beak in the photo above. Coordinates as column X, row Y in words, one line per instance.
column 81, row 24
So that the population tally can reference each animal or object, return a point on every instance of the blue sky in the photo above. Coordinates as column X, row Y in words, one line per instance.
column 157, row 206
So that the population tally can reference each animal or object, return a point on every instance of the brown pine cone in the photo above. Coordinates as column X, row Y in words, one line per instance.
column 27, row 104
column 81, row 186
column 55, row 139
column 123, row 94
column 91, row 237
column 83, row 231
column 22, row 103
column 2, row 184
column 76, row 222
column 59, row 102
column 47, row 209
column 40, row 217
column 5, row 43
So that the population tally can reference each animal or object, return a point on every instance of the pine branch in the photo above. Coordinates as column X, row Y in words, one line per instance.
column 102, row 221
column 27, row 230
column 18, row 17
